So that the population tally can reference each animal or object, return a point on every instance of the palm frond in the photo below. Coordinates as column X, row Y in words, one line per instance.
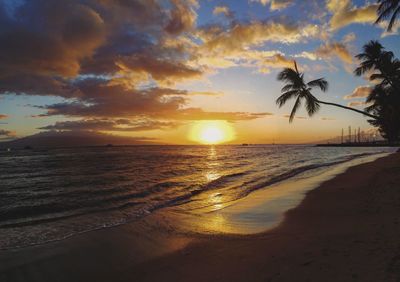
column 363, row 68
column 384, row 11
column 289, row 75
column 287, row 87
column 393, row 19
column 295, row 67
column 320, row 82
column 377, row 76
column 312, row 105
column 286, row 96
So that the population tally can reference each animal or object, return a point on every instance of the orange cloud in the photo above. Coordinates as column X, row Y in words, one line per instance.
column 359, row 92
column 183, row 16
column 357, row 104
column 344, row 13
column 335, row 49
column 276, row 61
column 223, row 47
column 276, row 4
column 223, row 10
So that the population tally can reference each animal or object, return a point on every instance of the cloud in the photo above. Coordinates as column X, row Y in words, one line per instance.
column 223, row 10
column 245, row 35
column 276, row 61
column 57, row 40
column 101, row 37
column 335, row 49
column 395, row 29
column 357, row 104
column 199, row 114
column 276, row 4
column 350, row 37
column 6, row 134
column 205, row 93
column 359, row 92
column 111, row 125
column 343, row 13
column 307, row 55
column 237, row 45
column 296, row 117
column 327, row 119
column 183, row 16
column 112, row 60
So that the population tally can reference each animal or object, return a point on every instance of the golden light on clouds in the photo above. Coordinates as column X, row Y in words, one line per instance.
column 211, row 132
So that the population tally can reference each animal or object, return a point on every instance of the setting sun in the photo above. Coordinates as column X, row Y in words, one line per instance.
column 211, row 132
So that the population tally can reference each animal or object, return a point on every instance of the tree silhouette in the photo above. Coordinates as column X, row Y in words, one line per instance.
column 297, row 88
column 384, row 99
column 388, row 9
column 381, row 63
column 385, row 104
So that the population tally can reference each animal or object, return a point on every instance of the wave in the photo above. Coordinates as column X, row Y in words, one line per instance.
column 141, row 190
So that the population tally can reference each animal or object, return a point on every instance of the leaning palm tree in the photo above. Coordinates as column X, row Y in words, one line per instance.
column 388, row 9
column 298, row 89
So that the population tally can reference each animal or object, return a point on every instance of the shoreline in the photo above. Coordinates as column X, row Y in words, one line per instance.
column 347, row 229
column 265, row 208
column 303, row 243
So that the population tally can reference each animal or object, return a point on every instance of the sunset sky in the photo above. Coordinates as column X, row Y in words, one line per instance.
column 157, row 69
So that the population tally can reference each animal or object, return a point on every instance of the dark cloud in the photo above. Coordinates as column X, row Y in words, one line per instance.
column 182, row 17
column 111, row 125
column 109, row 59
column 6, row 134
column 49, row 38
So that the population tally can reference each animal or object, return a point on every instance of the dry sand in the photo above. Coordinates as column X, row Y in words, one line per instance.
column 348, row 229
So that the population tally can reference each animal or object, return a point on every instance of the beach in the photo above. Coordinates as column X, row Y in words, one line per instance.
column 347, row 229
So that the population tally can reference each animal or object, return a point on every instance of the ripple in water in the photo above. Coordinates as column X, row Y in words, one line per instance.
column 49, row 195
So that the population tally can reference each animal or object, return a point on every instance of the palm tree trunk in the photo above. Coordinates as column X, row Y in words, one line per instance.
column 348, row 108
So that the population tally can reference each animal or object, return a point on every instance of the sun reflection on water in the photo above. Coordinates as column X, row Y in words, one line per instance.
column 212, row 165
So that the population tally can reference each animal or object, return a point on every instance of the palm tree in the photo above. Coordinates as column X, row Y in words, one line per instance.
column 388, row 9
column 385, row 103
column 298, row 89
column 374, row 57
column 384, row 99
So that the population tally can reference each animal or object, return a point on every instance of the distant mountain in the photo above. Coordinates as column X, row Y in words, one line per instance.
column 73, row 139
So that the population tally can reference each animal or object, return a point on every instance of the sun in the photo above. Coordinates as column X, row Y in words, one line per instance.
column 211, row 132
column 211, row 135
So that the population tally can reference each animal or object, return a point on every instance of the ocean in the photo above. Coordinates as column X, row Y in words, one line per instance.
column 48, row 195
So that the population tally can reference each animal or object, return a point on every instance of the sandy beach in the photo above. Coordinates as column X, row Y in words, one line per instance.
column 345, row 230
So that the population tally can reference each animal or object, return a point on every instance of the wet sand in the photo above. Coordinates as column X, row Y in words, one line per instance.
column 347, row 229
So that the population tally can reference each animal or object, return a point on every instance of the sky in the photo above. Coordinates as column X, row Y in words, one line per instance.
column 159, row 69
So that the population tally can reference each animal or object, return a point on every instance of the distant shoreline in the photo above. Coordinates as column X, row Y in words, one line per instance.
column 357, row 145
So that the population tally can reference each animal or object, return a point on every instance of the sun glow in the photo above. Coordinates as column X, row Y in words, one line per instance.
column 211, row 132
